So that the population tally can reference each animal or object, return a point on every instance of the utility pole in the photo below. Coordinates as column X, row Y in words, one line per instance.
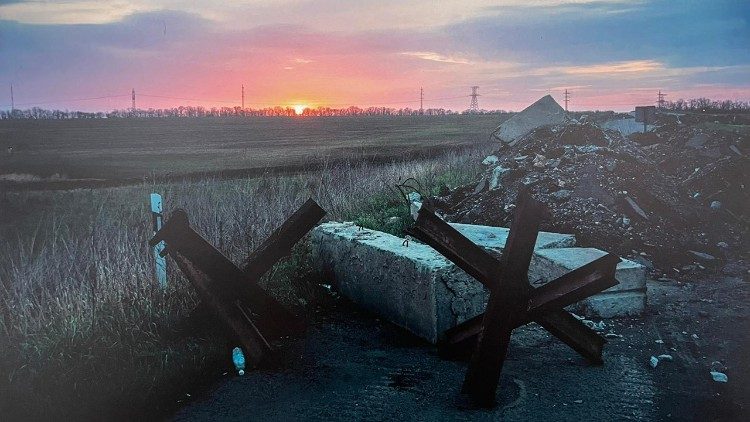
column 421, row 100
column 243, row 97
column 567, row 98
column 12, row 101
column 660, row 101
column 133, row 93
column 474, row 105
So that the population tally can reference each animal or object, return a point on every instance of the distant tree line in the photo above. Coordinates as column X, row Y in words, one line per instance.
column 708, row 105
column 199, row 111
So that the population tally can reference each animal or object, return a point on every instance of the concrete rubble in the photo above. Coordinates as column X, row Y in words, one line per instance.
column 668, row 199
column 417, row 288
column 543, row 112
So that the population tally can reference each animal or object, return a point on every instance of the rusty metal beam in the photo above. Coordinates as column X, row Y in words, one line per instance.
column 269, row 315
column 480, row 264
column 513, row 302
column 506, row 303
column 279, row 244
column 592, row 278
column 450, row 243
column 462, row 338
column 589, row 279
column 572, row 332
column 255, row 345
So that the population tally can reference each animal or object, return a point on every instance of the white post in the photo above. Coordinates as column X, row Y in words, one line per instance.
column 161, row 262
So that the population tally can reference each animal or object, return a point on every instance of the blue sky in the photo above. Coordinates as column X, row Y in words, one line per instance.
column 609, row 54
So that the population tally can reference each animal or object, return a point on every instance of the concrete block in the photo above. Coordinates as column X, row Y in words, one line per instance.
column 494, row 238
column 548, row 264
column 613, row 304
column 628, row 298
column 418, row 289
column 414, row 287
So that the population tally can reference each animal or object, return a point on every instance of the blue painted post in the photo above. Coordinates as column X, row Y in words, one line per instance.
column 161, row 262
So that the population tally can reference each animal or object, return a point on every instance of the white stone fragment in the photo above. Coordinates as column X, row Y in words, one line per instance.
column 490, row 160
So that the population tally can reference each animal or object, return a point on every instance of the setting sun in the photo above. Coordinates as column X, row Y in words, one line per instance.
column 299, row 108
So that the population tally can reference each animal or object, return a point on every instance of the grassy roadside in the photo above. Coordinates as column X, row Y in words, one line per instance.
column 85, row 331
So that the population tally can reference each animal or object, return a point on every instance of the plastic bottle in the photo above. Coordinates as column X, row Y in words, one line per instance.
column 239, row 360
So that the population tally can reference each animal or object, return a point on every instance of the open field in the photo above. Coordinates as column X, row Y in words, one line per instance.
column 84, row 329
column 114, row 151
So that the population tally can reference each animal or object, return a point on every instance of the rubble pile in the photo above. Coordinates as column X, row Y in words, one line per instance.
column 674, row 200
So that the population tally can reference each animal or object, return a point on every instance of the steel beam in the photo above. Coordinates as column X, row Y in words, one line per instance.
column 513, row 302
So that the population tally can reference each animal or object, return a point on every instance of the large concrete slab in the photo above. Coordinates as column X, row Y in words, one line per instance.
column 628, row 298
column 412, row 286
column 626, row 127
column 545, row 111
column 494, row 238
column 417, row 288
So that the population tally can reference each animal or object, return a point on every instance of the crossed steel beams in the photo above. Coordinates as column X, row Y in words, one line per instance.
column 233, row 294
column 513, row 301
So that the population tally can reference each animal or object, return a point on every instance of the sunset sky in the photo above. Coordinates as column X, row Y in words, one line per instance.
column 610, row 54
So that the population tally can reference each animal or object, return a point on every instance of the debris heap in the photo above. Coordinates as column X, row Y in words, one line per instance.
column 674, row 199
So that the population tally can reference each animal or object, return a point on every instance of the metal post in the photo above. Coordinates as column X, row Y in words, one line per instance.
column 161, row 261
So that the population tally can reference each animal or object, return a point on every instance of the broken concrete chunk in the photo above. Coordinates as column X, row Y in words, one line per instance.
column 497, row 174
column 543, row 112
column 666, row 357
column 539, row 161
column 588, row 149
column 490, row 160
column 561, row 195
column 632, row 208
column 653, row 361
column 613, row 335
column 415, row 203
column 600, row 326
column 703, row 256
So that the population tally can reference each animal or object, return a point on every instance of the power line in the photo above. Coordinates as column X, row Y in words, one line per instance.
column 193, row 99
column 133, row 93
column 12, row 101
column 68, row 100
column 243, row 96
column 421, row 101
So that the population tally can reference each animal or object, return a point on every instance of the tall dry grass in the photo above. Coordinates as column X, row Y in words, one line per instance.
column 84, row 328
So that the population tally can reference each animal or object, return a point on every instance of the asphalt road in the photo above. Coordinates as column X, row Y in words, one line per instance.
column 353, row 366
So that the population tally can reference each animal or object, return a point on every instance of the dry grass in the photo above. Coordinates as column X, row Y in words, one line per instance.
column 85, row 330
